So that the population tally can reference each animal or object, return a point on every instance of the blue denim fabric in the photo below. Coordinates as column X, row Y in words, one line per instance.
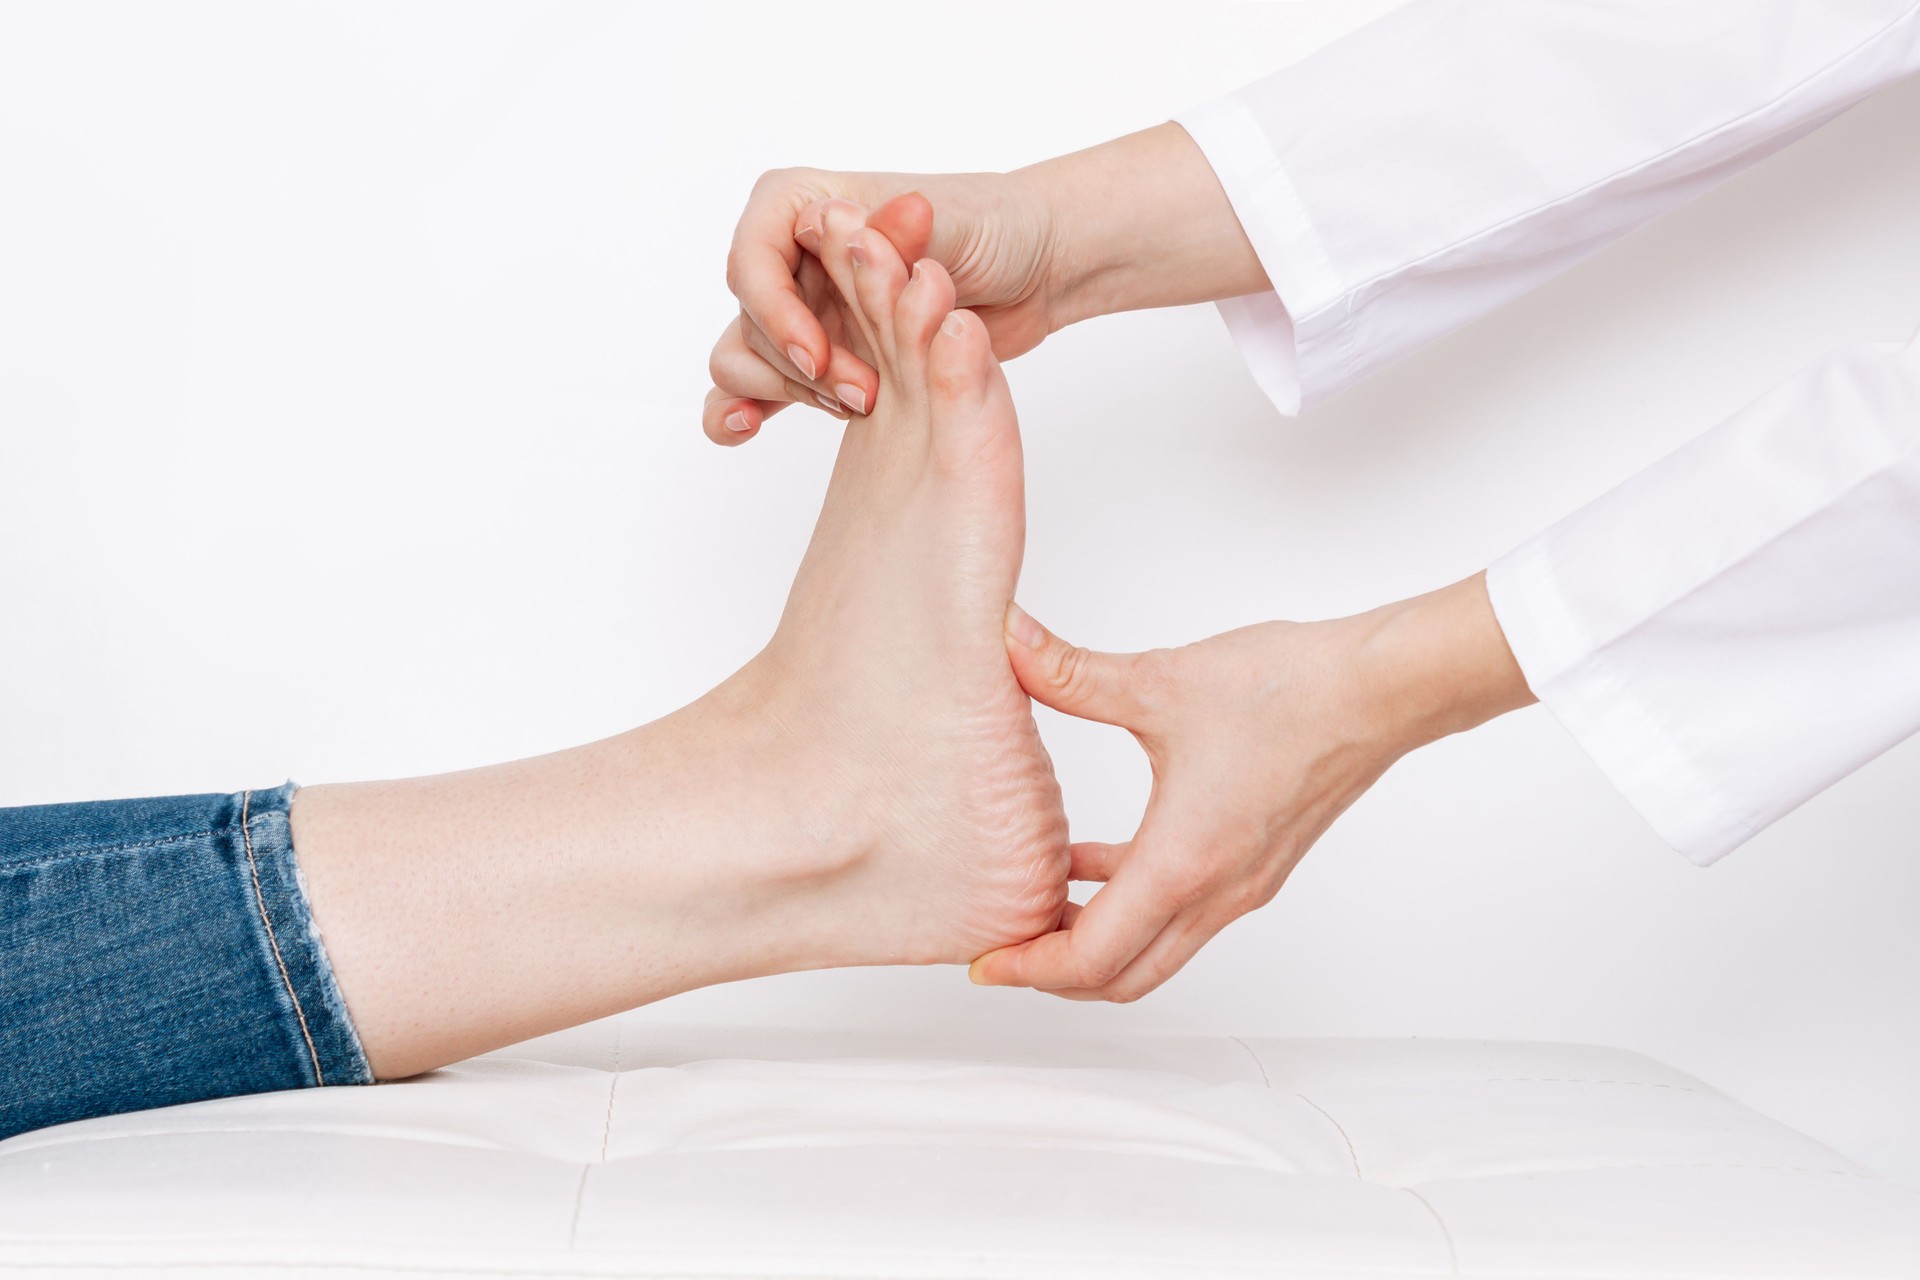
column 159, row 951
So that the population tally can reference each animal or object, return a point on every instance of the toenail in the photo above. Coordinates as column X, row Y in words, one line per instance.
column 737, row 421
column 851, row 396
column 801, row 360
column 953, row 326
column 858, row 254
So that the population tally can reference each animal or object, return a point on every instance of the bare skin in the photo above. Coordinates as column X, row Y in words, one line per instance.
column 1259, row 739
column 1137, row 222
column 870, row 789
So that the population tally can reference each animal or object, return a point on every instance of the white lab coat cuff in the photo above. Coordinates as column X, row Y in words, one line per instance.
column 1734, row 629
column 1635, row 747
column 1295, row 362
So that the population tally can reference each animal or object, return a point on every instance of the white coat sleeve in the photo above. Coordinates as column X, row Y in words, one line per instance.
column 1439, row 162
column 1737, row 627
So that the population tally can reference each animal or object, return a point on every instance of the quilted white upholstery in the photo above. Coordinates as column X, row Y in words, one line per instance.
column 622, row 1149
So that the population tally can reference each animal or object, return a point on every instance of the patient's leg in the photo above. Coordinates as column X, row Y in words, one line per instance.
column 869, row 790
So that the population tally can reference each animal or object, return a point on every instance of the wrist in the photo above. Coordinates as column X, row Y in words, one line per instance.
column 1441, row 664
column 1140, row 222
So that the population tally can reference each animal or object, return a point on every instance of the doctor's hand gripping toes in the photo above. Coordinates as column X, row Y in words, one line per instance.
column 1137, row 222
column 1259, row 739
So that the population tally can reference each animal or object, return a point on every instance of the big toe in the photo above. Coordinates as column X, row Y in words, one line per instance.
column 961, row 370
column 966, row 389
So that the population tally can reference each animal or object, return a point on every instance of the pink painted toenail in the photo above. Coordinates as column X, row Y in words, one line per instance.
column 851, row 396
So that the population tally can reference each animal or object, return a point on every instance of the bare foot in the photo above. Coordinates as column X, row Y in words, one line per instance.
column 890, row 659
column 870, row 789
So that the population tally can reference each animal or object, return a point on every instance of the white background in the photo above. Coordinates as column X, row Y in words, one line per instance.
column 351, row 360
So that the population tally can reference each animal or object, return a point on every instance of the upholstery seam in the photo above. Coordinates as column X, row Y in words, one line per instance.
column 273, row 941
column 1264, row 1078
column 1339, row 1129
column 606, row 1139
column 1453, row 1254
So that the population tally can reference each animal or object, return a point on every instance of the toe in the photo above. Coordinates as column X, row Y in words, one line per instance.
column 879, row 276
column 972, row 407
column 924, row 303
column 960, row 365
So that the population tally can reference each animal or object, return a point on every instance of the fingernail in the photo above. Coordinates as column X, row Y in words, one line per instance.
column 953, row 326
column 851, row 396
column 858, row 254
column 808, row 230
column 973, row 975
column 801, row 360
column 1023, row 628
column 737, row 421
column 831, row 406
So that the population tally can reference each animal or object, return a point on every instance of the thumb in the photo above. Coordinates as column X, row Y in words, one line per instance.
column 907, row 221
column 1080, row 682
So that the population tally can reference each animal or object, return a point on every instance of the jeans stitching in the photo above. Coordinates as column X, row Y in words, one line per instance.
column 94, row 850
column 260, row 900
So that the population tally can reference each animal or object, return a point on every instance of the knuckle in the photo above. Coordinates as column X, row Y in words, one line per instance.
column 735, row 268
column 1246, row 897
column 1072, row 670
column 773, row 180
column 1098, row 971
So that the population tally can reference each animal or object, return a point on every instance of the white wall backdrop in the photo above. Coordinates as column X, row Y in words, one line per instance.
column 351, row 358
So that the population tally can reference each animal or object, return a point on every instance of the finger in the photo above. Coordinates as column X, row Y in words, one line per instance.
column 1110, row 930
column 879, row 276
column 760, row 272
column 757, row 347
column 839, row 220
column 806, row 227
column 743, row 365
column 848, row 378
column 1080, row 682
column 1165, row 956
column 730, row 420
column 1093, row 861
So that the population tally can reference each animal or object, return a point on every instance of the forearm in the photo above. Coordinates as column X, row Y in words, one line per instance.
column 1139, row 222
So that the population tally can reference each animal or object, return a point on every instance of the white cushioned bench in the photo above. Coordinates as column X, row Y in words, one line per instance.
column 621, row 1149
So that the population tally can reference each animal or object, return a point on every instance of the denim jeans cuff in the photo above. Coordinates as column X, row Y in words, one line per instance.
column 311, row 1005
